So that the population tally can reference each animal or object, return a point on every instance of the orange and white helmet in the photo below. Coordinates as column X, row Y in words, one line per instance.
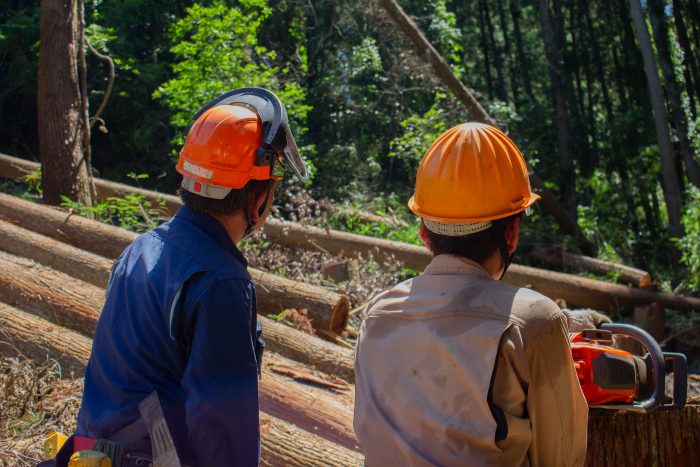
column 240, row 136
column 471, row 175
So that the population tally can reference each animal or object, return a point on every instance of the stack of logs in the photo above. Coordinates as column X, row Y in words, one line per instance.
column 55, row 269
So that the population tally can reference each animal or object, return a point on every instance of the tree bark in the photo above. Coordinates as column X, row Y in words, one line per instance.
column 48, row 294
column 285, row 444
column 579, row 291
column 659, row 27
column 671, row 184
column 76, row 304
column 306, row 409
column 60, row 108
column 39, row 340
column 558, row 257
column 659, row 439
column 567, row 174
column 81, row 264
column 565, row 286
column 327, row 310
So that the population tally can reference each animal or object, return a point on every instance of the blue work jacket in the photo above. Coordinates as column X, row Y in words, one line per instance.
column 179, row 318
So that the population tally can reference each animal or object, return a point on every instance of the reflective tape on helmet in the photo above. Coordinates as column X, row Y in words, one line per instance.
column 197, row 170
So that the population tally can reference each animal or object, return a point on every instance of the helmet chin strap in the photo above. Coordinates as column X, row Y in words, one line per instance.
column 261, row 210
column 506, row 256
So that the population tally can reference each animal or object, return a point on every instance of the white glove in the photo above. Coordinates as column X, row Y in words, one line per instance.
column 585, row 319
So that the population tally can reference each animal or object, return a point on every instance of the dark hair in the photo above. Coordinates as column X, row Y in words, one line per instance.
column 230, row 204
column 477, row 247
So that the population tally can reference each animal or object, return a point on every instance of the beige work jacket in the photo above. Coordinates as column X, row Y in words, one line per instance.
column 454, row 368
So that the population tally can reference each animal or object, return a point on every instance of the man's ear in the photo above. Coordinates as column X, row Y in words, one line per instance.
column 513, row 234
column 423, row 233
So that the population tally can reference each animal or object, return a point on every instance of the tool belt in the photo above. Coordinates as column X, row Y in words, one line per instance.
column 132, row 445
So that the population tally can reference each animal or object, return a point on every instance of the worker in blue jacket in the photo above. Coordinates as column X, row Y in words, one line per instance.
column 179, row 317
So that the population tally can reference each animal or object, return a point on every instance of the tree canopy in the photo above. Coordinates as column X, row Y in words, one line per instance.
column 565, row 78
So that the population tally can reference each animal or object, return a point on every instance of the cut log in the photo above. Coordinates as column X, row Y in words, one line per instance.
column 327, row 415
column 77, row 305
column 60, row 256
column 308, row 350
column 285, row 444
column 574, row 290
column 16, row 169
column 661, row 438
column 556, row 256
column 583, row 292
column 327, row 310
column 52, row 295
column 315, row 409
column 39, row 340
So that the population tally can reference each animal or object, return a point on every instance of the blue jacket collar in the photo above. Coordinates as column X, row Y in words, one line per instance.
column 214, row 229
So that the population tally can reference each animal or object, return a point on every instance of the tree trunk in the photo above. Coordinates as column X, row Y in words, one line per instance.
column 60, row 108
column 83, row 265
column 307, row 406
column 485, row 49
column 327, row 310
column 558, row 257
column 501, row 93
column 295, row 235
column 40, row 340
column 306, row 409
column 309, row 350
column 567, row 174
column 671, row 184
column 658, row 439
column 284, row 444
column 691, row 72
column 524, row 68
column 659, row 27
column 51, row 295
column 579, row 291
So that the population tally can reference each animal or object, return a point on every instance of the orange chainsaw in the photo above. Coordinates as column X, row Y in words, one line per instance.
column 615, row 379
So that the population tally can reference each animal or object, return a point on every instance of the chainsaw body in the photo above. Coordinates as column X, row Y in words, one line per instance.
column 615, row 379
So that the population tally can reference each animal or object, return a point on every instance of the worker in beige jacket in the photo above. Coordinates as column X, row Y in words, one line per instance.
column 455, row 367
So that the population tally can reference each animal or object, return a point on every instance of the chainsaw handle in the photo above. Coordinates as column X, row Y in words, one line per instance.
column 657, row 361
column 680, row 380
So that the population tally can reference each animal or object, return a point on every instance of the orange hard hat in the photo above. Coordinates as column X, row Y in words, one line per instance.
column 472, row 174
column 240, row 136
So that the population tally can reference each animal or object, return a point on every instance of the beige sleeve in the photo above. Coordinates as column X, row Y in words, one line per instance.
column 536, row 388
column 556, row 406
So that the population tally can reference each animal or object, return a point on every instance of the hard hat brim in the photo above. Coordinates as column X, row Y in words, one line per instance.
column 413, row 206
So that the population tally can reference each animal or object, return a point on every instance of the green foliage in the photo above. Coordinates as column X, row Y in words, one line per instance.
column 690, row 243
column 132, row 212
column 217, row 49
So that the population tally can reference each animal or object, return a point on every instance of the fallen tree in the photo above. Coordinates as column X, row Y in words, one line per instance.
column 327, row 310
column 39, row 340
column 48, row 294
column 75, row 304
column 556, row 256
column 60, row 256
column 574, row 290
column 282, row 441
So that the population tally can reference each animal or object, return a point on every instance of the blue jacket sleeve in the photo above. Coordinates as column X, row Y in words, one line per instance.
column 221, row 377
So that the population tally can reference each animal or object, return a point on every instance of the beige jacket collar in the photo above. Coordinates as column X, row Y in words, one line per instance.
column 451, row 264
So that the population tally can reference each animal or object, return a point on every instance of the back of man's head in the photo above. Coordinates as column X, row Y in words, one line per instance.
column 471, row 185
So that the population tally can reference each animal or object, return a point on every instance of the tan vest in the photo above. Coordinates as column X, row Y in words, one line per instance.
column 425, row 361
